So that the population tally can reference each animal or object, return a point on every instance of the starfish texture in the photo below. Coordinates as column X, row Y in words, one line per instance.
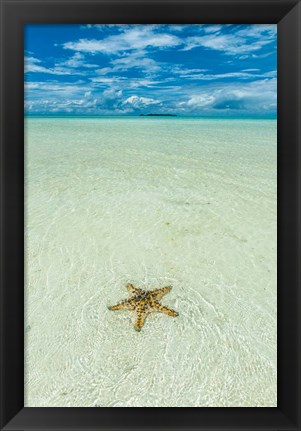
column 144, row 302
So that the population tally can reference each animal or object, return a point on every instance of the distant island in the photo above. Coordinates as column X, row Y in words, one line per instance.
column 158, row 115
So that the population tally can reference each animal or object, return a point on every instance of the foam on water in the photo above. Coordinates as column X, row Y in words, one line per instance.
column 153, row 201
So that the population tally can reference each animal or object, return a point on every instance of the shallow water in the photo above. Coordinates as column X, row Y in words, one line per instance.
column 185, row 202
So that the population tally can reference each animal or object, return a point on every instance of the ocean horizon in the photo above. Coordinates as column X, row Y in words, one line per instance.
column 174, row 116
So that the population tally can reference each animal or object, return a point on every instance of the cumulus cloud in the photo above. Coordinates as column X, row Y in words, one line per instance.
column 66, row 97
column 140, row 102
column 259, row 96
column 199, row 101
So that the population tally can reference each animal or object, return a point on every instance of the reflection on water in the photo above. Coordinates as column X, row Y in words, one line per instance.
column 189, row 203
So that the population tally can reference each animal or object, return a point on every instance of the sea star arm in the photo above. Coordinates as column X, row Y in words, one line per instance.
column 159, row 293
column 140, row 319
column 165, row 310
column 127, row 304
column 133, row 289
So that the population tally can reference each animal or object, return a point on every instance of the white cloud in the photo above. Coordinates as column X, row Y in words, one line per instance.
column 77, row 60
column 103, row 27
column 33, row 65
column 179, row 70
column 57, row 97
column 244, row 41
column 251, row 70
column 55, row 89
column 199, row 101
column 31, row 85
column 136, row 38
column 140, row 102
column 211, row 28
column 131, row 60
column 176, row 27
column 228, row 43
column 229, row 75
column 135, row 60
column 257, row 31
column 63, row 105
column 151, row 83
column 60, row 97
column 106, row 80
column 259, row 96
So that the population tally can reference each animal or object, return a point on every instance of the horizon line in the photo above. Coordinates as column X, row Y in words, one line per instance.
column 48, row 115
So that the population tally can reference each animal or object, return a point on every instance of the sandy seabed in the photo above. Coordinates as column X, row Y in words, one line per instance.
column 186, row 202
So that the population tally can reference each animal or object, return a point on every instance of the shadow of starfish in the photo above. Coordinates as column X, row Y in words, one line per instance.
column 144, row 302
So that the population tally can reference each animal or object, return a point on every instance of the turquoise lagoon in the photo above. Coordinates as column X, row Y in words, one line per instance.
column 187, row 202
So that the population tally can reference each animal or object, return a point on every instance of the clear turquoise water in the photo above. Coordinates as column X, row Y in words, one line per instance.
column 183, row 201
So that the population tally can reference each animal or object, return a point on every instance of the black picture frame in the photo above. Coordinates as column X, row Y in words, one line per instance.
column 16, row 13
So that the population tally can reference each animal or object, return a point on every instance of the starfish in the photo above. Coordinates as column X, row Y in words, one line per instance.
column 144, row 302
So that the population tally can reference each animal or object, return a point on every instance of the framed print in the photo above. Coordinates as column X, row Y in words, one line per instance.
column 165, row 140
column 150, row 215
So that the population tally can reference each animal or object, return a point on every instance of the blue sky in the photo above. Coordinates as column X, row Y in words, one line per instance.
column 210, row 70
